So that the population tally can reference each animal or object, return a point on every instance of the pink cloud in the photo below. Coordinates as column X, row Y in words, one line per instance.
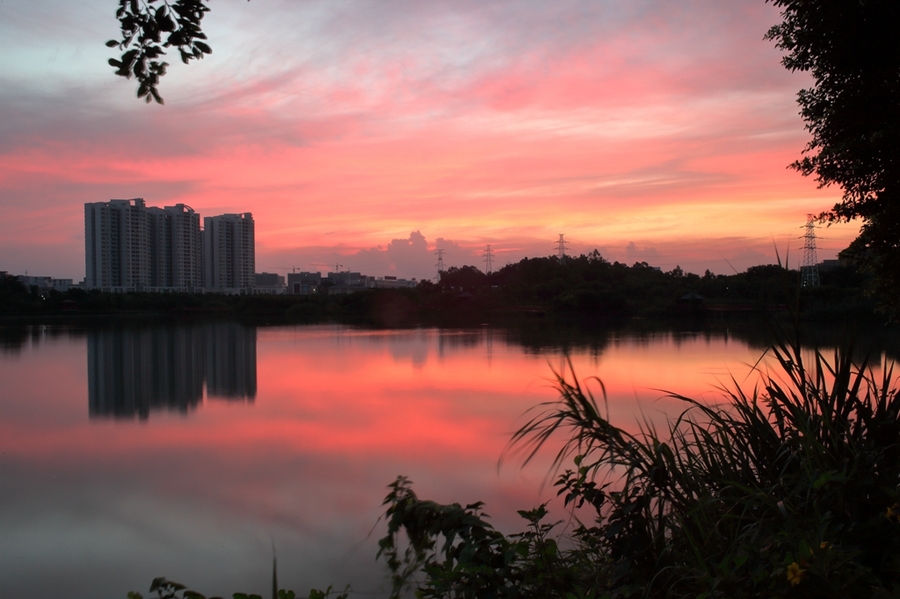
column 503, row 123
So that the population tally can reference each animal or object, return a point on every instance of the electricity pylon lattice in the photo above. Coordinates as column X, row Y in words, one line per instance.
column 561, row 248
column 440, row 264
column 809, row 271
column 488, row 254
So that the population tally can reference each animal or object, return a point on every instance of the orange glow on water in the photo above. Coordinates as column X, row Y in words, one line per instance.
column 337, row 414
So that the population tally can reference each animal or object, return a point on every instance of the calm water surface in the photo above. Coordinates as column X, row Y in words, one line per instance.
column 133, row 452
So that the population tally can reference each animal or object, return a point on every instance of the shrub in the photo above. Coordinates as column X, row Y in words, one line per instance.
column 790, row 489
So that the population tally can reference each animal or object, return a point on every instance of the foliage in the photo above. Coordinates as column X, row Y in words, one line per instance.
column 787, row 490
column 474, row 560
column 467, row 277
column 850, row 50
column 13, row 294
column 585, row 289
column 167, row 589
column 851, row 111
column 877, row 251
column 148, row 27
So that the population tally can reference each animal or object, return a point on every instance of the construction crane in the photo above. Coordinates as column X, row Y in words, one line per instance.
column 337, row 267
column 285, row 268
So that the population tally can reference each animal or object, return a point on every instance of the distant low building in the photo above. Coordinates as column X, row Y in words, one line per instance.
column 342, row 283
column 391, row 282
column 267, row 283
column 346, row 279
column 304, row 283
column 62, row 284
column 45, row 284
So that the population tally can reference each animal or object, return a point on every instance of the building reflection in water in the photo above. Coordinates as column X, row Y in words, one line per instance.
column 132, row 371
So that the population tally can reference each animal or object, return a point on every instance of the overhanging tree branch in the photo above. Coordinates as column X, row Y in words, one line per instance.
column 148, row 28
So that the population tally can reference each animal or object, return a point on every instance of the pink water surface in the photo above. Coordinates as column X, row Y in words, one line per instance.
column 94, row 505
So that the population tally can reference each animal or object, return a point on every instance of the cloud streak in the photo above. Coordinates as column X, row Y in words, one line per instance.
column 345, row 125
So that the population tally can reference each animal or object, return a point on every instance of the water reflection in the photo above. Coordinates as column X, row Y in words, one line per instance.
column 98, row 506
column 134, row 371
column 230, row 351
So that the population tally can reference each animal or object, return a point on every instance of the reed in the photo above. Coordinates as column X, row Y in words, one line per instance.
column 786, row 489
column 789, row 488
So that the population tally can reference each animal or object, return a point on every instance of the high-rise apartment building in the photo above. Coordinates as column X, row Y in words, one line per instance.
column 176, row 247
column 229, row 252
column 117, row 256
column 132, row 247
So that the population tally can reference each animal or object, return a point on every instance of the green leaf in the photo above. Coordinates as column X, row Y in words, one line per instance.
column 112, row 43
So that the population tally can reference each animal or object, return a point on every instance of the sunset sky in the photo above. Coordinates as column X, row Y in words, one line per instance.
column 369, row 133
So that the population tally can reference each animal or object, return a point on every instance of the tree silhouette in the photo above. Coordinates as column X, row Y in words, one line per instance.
column 853, row 114
column 148, row 28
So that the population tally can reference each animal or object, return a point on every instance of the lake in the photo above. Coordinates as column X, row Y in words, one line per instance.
column 136, row 450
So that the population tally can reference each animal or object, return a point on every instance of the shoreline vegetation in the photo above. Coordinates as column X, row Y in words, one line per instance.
column 787, row 488
column 582, row 290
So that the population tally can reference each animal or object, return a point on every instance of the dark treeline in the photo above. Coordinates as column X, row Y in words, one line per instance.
column 590, row 287
column 586, row 288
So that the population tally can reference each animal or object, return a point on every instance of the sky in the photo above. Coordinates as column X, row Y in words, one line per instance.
column 371, row 133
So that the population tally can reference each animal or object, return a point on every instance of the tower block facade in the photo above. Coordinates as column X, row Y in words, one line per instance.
column 229, row 252
column 117, row 249
column 130, row 247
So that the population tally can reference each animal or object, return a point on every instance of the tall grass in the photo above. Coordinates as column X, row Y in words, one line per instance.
column 788, row 488
column 798, row 475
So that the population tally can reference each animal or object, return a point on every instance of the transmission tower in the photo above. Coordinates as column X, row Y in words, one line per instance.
column 561, row 248
column 440, row 264
column 809, row 272
column 488, row 254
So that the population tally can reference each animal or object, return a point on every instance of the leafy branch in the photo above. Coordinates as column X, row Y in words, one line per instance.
column 148, row 28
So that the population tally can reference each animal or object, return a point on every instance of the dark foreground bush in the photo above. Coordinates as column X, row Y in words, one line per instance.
column 786, row 490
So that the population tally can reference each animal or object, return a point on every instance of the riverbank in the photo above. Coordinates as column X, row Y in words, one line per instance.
column 585, row 291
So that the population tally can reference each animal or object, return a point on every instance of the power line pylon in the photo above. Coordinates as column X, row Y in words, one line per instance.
column 809, row 271
column 488, row 254
column 440, row 264
column 561, row 248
